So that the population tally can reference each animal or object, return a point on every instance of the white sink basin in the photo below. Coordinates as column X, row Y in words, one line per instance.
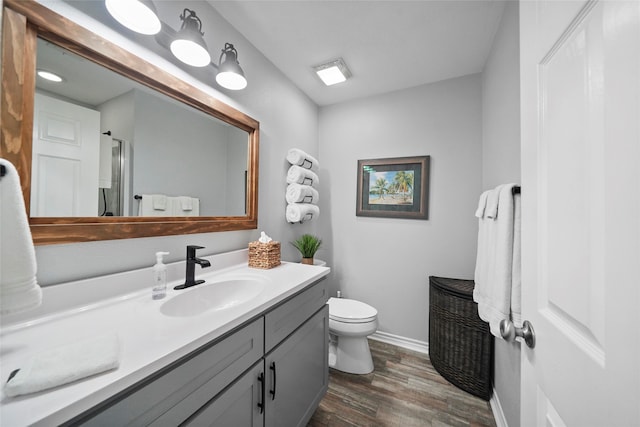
column 218, row 295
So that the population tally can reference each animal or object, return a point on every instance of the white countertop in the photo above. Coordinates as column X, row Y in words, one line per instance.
column 149, row 340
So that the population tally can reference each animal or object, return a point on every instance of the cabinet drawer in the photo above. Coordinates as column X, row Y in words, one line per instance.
column 282, row 321
column 173, row 397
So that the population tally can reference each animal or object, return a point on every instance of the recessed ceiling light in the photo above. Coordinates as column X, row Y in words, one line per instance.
column 333, row 72
column 48, row 75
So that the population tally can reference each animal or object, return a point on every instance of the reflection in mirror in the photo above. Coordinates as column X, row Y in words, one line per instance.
column 23, row 23
column 105, row 145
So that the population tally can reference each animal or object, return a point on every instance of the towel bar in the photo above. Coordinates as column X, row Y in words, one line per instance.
column 3, row 171
column 137, row 197
column 515, row 190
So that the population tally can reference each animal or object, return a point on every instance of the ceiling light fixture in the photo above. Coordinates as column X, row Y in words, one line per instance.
column 137, row 15
column 230, row 75
column 333, row 72
column 48, row 75
column 189, row 46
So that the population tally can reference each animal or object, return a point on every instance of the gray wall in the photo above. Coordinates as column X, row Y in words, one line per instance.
column 181, row 152
column 501, row 164
column 288, row 119
column 386, row 262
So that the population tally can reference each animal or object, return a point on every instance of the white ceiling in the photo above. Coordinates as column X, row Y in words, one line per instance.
column 387, row 45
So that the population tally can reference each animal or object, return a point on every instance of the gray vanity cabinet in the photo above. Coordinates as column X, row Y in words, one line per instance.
column 238, row 406
column 295, row 377
column 298, row 374
column 271, row 371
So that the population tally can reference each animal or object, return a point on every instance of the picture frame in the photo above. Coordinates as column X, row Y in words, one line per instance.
column 394, row 187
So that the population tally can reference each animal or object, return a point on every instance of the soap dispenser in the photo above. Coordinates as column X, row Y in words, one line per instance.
column 159, row 289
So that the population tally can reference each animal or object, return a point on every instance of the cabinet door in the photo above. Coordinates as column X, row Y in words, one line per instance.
column 286, row 318
column 297, row 373
column 238, row 406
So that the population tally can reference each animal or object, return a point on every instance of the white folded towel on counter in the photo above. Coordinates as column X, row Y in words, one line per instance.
column 297, row 157
column 301, row 212
column 299, row 175
column 65, row 364
column 298, row 193
column 19, row 289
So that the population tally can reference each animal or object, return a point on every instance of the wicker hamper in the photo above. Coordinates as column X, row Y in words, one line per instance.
column 264, row 255
column 460, row 344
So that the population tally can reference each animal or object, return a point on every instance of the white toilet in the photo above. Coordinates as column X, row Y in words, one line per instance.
column 350, row 322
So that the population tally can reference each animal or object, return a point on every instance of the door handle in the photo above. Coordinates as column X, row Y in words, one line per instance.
column 510, row 332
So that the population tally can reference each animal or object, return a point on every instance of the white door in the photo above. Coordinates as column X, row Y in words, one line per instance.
column 65, row 165
column 580, row 71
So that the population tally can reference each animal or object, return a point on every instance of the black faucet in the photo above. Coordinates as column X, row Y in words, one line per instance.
column 191, row 267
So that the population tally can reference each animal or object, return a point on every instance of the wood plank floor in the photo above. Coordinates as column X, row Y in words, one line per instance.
column 403, row 390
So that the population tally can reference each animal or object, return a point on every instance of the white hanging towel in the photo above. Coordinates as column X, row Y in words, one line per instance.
column 497, row 273
column 298, row 193
column 301, row 212
column 185, row 206
column 19, row 289
column 65, row 364
column 299, row 175
column 297, row 157
column 154, row 205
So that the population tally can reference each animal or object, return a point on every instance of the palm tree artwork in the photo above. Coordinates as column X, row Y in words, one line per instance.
column 398, row 185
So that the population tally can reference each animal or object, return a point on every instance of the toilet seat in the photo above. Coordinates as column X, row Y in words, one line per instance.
column 351, row 311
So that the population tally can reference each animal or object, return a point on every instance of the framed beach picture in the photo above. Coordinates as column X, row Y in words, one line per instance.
column 393, row 188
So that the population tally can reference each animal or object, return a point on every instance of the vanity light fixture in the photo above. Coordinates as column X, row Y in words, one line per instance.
column 48, row 75
column 230, row 75
column 188, row 45
column 333, row 72
column 137, row 15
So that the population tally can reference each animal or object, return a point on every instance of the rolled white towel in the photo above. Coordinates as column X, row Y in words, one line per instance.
column 65, row 364
column 297, row 157
column 301, row 212
column 299, row 175
column 298, row 193
column 19, row 289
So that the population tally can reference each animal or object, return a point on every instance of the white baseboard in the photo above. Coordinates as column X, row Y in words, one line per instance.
column 408, row 343
column 496, row 408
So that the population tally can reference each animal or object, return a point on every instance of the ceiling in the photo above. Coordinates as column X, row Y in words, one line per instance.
column 387, row 45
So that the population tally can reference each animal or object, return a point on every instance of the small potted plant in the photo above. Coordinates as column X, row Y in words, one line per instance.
column 308, row 245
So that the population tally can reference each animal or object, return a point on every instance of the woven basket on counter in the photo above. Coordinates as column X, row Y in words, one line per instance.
column 264, row 255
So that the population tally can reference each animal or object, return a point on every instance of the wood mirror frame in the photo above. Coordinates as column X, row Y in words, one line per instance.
column 23, row 22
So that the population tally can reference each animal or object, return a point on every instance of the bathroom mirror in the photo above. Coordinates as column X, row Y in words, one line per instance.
column 31, row 33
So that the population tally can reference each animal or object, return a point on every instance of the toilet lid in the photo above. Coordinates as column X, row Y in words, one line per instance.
column 351, row 311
